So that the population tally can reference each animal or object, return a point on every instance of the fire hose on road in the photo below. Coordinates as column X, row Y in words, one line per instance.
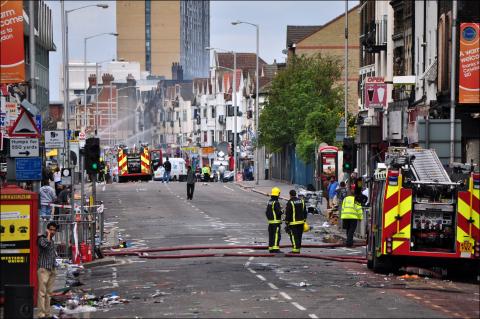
column 145, row 253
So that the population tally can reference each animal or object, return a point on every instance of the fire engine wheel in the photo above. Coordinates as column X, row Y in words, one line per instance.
column 370, row 263
column 121, row 179
column 381, row 264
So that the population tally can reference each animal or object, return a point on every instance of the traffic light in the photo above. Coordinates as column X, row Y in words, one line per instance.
column 92, row 155
column 349, row 154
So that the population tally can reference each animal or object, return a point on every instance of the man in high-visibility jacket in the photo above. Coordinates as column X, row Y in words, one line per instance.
column 351, row 212
column 295, row 216
column 274, row 216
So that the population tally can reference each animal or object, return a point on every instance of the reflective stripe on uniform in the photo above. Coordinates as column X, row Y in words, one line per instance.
column 294, row 215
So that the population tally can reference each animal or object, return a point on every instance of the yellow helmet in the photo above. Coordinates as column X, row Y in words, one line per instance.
column 306, row 227
column 275, row 191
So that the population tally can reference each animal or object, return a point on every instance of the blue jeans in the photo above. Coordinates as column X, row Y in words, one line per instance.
column 166, row 177
column 45, row 212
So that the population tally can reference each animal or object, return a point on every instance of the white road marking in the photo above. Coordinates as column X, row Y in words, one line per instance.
column 261, row 277
column 312, row 315
column 251, row 258
column 272, row 286
column 251, row 270
column 284, row 295
column 247, row 264
column 229, row 188
column 299, row 307
column 114, row 277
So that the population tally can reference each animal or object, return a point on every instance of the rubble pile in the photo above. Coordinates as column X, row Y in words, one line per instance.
column 72, row 300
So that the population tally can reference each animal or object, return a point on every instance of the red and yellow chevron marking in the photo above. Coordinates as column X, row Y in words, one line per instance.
column 145, row 158
column 397, row 211
column 468, row 218
column 122, row 162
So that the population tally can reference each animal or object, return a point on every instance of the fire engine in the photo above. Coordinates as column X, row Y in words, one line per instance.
column 419, row 216
column 134, row 163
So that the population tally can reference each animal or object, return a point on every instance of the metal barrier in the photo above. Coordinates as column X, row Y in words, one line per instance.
column 75, row 230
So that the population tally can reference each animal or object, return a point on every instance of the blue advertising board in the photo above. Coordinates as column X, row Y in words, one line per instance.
column 28, row 169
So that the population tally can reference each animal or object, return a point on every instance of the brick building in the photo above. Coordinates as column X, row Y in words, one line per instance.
column 329, row 39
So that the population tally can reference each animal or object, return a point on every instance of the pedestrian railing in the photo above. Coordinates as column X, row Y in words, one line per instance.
column 77, row 234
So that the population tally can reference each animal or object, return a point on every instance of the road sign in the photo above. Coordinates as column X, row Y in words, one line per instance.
column 375, row 92
column 81, row 136
column 54, row 139
column 24, row 126
column 28, row 169
column 66, row 176
column 24, row 147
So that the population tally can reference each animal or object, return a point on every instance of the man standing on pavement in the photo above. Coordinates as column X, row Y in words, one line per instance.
column 168, row 168
column 46, row 270
column 295, row 216
column 274, row 216
column 351, row 213
column 221, row 171
column 57, row 179
column 190, row 182
column 47, row 197
column 331, row 190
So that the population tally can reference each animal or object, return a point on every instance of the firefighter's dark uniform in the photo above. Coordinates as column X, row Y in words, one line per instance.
column 295, row 216
column 274, row 216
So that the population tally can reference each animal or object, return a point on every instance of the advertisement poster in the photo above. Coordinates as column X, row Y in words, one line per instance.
column 12, row 61
column 375, row 92
column 469, row 56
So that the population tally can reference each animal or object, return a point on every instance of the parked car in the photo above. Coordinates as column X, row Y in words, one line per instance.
column 228, row 176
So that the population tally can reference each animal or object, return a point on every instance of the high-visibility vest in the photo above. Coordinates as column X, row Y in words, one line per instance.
column 350, row 209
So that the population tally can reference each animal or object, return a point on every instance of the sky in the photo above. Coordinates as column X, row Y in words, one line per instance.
column 272, row 16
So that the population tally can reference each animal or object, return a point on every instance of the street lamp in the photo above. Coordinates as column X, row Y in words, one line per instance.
column 234, row 93
column 85, row 68
column 66, row 83
column 257, row 111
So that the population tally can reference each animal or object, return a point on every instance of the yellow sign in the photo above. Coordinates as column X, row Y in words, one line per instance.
column 15, row 196
column 14, row 259
column 14, row 223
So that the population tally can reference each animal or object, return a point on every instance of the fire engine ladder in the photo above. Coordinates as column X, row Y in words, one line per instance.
column 427, row 166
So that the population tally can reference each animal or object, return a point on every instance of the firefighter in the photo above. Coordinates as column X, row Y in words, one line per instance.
column 274, row 216
column 295, row 216
column 351, row 212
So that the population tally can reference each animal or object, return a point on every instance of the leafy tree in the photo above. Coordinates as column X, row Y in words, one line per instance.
column 304, row 105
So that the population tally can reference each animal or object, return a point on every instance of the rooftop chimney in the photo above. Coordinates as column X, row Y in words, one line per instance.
column 107, row 78
column 92, row 80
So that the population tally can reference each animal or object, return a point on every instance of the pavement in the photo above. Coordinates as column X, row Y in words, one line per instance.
column 148, row 215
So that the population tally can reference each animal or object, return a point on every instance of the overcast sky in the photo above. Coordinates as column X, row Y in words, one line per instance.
column 272, row 16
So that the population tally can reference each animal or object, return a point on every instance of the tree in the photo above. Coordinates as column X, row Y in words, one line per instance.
column 304, row 105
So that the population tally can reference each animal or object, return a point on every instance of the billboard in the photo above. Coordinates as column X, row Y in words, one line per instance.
column 12, row 61
column 375, row 92
column 469, row 75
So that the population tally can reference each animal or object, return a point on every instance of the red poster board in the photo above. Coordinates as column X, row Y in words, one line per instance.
column 12, row 54
column 469, row 57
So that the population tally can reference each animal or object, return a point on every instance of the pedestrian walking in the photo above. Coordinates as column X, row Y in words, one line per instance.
column 295, row 216
column 46, row 272
column 341, row 192
column 57, row 179
column 221, row 171
column 190, row 182
column 351, row 213
column 331, row 191
column 168, row 168
column 47, row 197
column 274, row 217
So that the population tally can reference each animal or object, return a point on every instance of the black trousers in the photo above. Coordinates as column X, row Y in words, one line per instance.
column 350, row 225
column 295, row 233
column 190, row 190
column 274, row 236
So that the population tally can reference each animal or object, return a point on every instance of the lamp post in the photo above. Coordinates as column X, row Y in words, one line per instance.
column 66, row 90
column 85, row 69
column 66, row 81
column 234, row 100
column 257, row 106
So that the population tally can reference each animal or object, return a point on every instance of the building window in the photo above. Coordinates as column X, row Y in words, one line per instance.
column 444, row 52
column 205, row 113
column 205, row 137
column 213, row 112
column 148, row 62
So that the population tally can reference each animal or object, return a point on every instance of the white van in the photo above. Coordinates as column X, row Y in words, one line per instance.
column 179, row 169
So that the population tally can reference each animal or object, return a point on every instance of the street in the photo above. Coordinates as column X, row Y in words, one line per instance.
column 158, row 215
